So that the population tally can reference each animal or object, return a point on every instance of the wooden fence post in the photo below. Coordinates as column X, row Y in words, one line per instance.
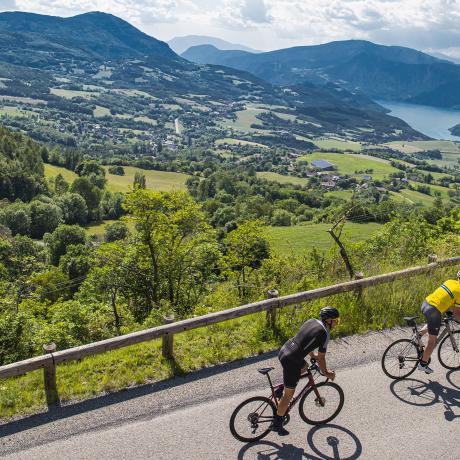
column 49, row 374
column 168, row 339
column 432, row 258
column 271, row 313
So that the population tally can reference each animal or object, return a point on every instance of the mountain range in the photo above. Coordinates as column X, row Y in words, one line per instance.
column 380, row 72
column 68, row 71
column 181, row 44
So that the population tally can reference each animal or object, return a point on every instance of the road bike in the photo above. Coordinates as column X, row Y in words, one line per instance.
column 401, row 358
column 319, row 403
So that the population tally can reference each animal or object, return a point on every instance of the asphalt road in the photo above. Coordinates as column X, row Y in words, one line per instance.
column 187, row 418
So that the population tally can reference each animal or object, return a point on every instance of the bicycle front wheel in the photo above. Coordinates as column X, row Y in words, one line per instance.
column 447, row 355
column 252, row 419
column 318, row 410
column 400, row 359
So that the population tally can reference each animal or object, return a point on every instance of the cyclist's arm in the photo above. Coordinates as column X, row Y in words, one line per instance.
column 322, row 365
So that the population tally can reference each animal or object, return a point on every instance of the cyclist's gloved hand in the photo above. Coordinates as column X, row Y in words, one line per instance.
column 330, row 375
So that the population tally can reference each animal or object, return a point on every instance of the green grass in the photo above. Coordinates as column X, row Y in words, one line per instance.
column 99, row 229
column 306, row 237
column 418, row 146
column 231, row 141
column 15, row 112
column 70, row 94
column 156, row 180
column 280, row 178
column 53, row 171
column 414, row 197
column 344, row 194
column 338, row 144
column 101, row 112
column 348, row 163
column 244, row 120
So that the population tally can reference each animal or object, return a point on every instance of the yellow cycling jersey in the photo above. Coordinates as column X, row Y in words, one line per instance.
column 446, row 296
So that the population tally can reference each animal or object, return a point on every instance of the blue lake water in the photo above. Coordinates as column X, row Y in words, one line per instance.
column 432, row 121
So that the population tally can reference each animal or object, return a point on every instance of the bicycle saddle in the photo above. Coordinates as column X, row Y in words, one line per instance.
column 265, row 370
column 410, row 320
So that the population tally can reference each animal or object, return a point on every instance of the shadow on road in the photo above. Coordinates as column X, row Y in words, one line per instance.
column 326, row 442
column 419, row 393
column 65, row 411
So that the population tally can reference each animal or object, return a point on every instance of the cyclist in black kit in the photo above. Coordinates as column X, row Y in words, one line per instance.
column 313, row 334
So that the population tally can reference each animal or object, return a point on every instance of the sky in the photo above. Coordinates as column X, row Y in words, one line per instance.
column 428, row 25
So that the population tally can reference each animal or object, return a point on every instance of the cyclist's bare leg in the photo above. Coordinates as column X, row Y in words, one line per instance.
column 429, row 347
column 457, row 314
column 284, row 401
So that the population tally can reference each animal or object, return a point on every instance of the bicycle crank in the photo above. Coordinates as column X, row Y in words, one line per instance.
column 320, row 402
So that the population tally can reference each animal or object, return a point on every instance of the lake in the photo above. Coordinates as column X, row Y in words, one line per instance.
column 432, row 121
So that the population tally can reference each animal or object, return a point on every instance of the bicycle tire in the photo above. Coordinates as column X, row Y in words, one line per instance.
column 406, row 355
column 337, row 392
column 265, row 403
column 443, row 351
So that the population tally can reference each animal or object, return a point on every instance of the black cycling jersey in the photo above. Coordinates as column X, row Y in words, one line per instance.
column 313, row 334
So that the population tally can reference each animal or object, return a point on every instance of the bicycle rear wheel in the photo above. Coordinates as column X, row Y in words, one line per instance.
column 252, row 419
column 317, row 411
column 400, row 359
column 448, row 357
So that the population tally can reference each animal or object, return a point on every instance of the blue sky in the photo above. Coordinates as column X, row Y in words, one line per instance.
column 270, row 24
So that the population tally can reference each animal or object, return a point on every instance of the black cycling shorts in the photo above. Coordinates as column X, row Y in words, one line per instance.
column 433, row 318
column 291, row 366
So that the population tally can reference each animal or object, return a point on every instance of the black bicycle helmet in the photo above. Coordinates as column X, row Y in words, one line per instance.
column 329, row 313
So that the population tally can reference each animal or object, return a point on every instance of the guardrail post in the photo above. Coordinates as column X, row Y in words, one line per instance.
column 432, row 258
column 168, row 339
column 271, row 312
column 49, row 374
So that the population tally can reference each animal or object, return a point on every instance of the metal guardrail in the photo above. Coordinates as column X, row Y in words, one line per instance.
column 49, row 361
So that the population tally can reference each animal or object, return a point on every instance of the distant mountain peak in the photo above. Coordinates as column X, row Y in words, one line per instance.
column 182, row 44
column 93, row 35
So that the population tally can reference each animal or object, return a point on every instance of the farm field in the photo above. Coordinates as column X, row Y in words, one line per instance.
column 231, row 141
column 70, row 94
column 244, row 120
column 275, row 177
column 337, row 144
column 418, row 146
column 53, row 171
column 101, row 112
column 350, row 163
column 306, row 237
column 155, row 180
column 97, row 230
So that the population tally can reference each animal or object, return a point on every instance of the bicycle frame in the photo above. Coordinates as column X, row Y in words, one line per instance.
column 310, row 384
column 447, row 319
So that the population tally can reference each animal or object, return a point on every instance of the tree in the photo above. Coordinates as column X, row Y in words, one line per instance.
column 117, row 170
column 45, row 217
column 281, row 218
column 177, row 244
column 74, row 209
column 139, row 181
column 93, row 171
column 116, row 231
column 63, row 237
column 90, row 193
column 60, row 185
column 246, row 248
column 76, row 263
column 17, row 218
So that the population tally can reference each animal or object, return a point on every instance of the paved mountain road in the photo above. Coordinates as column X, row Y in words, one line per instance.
column 381, row 419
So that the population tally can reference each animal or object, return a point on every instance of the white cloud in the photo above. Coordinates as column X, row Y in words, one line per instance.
column 7, row 5
column 273, row 24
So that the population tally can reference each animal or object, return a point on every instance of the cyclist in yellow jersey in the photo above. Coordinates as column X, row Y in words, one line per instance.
column 445, row 297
